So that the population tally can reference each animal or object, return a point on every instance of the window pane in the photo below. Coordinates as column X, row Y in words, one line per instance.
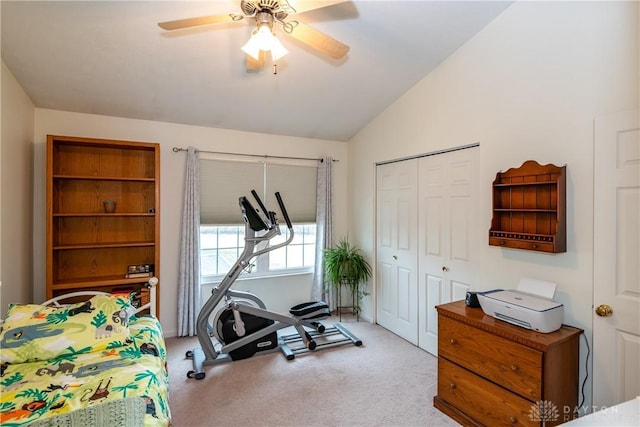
column 208, row 262
column 226, row 258
column 208, row 237
column 278, row 259
column 228, row 237
column 281, row 238
column 309, row 255
column 309, row 231
column 298, row 235
column 294, row 256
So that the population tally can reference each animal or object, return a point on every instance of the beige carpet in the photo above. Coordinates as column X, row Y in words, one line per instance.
column 385, row 382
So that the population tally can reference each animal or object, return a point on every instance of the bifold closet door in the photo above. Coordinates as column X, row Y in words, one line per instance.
column 396, row 264
column 448, row 231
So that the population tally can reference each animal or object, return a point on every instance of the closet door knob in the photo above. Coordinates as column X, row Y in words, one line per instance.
column 395, row 257
column 604, row 310
column 445, row 268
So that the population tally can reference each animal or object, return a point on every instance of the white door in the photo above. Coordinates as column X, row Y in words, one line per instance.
column 616, row 271
column 448, row 234
column 396, row 264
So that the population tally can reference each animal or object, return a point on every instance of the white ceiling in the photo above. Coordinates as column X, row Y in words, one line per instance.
column 110, row 58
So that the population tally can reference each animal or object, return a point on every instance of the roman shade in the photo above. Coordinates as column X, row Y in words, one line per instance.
column 224, row 181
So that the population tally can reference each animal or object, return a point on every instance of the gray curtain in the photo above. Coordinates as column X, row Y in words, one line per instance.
column 189, row 278
column 319, row 290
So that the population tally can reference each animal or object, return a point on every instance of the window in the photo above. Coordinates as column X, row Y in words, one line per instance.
column 221, row 246
column 300, row 253
column 222, row 226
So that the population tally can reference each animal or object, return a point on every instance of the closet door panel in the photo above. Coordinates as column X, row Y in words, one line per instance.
column 432, row 220
column 448, row 234
column 386, row 304
column 396, row 209
column 430, row 289
column 460, row 229
column 405, row 237
column 405, row 285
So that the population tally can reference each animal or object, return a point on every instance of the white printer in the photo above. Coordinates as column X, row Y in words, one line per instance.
column 530, row 305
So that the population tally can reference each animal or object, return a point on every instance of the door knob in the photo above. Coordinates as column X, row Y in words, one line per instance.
column 445, row 269
column 604, row 310
column 395, row 257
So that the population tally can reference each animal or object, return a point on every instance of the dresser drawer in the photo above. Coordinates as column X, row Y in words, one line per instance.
column 507, row 363
column 481, row 399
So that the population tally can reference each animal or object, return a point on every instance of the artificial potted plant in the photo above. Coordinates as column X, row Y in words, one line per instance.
column 344, row 265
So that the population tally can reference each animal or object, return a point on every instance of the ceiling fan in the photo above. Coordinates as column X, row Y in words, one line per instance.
column 266, row 13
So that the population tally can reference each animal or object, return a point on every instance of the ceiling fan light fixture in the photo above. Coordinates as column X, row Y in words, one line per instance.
column 277, row 49
column 266, row 14
column 262, row 38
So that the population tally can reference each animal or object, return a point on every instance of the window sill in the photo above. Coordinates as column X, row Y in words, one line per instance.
column 248, row 277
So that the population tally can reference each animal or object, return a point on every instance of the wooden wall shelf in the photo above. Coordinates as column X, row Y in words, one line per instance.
column 88, row 248
column 529, row 208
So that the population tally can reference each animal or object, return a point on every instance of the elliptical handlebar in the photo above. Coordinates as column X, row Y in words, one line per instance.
column 266, row 213
column 268, row 216
column 284, row 210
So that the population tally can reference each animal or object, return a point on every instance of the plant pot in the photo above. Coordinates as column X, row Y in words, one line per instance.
column 109, row 206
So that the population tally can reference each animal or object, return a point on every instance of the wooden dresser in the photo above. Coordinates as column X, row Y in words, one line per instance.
column 493, row 373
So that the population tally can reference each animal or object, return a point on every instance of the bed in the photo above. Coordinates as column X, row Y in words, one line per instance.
column 96, row 362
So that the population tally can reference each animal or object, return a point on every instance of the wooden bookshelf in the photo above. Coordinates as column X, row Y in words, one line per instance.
column 89, row 248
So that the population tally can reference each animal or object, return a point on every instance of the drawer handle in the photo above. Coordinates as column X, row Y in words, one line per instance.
column 452, row 385
column 453, row 341
column 513, row 420
column 514, row 368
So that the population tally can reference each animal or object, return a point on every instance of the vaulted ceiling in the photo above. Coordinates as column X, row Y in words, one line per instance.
column 111, row 58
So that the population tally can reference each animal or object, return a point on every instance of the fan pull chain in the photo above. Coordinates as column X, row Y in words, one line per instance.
column 275, row 68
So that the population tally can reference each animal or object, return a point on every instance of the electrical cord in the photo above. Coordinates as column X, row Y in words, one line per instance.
column 586, row 367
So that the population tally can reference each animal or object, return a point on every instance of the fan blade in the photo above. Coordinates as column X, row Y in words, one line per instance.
column 316, row 39
column 255, row 64
column 202, row 20
column 306, row 5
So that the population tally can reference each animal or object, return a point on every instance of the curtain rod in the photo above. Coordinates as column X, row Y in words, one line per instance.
column 178, row 149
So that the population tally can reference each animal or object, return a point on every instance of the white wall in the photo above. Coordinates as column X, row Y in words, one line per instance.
column 16, row 179
column 170, row 135
column 527, row 87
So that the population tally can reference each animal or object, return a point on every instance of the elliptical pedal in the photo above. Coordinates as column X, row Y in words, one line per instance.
column 310, row 310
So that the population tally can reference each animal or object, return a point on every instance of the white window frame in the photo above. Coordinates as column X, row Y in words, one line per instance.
column 261, row 267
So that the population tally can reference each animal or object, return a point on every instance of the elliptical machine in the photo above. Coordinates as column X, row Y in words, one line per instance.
column 242, row 326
